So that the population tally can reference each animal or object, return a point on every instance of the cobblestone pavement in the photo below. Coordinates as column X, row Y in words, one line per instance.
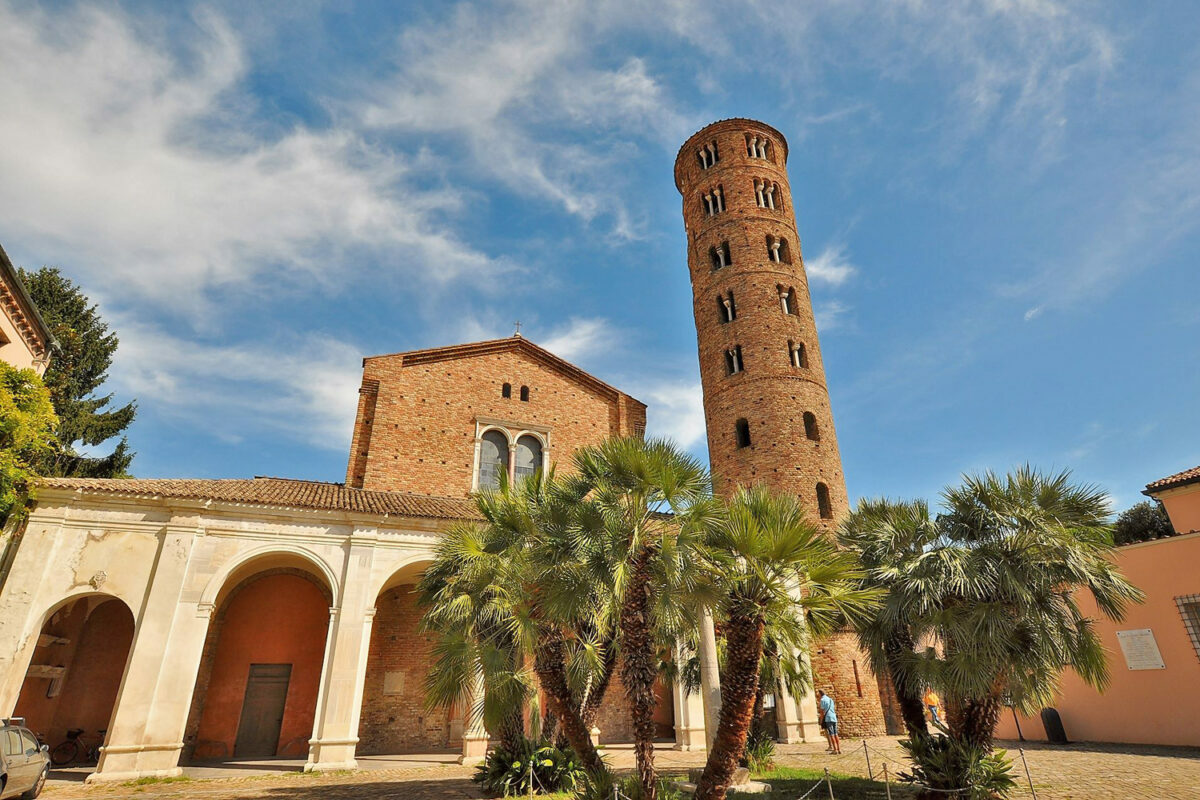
column 1073, row 772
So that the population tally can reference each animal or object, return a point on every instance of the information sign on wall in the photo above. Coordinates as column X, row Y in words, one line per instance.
column 1140, row 649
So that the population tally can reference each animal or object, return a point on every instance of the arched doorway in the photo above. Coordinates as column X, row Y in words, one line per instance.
column 394, row 718
column 256, row 689
column 77, row 668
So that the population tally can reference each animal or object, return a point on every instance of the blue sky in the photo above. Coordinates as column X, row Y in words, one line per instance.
column 999, row 205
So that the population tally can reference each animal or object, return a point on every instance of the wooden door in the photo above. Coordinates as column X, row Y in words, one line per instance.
column 262, row 711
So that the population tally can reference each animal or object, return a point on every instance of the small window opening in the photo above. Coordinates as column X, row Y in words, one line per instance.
column 857, row 680
column 720, row 256
column 764, row 193
column 714, row 201
column 810, row 426
column 525, row 394
column 742, row 431
column 777, row 250
column 708, row 155
column 733, row 360
column 824, row 507
column 758, row 146
column 798, row 355
column 787, row 299
column 726, row 309
column 506, row 390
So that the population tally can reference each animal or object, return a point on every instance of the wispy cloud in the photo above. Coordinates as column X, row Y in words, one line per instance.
column 831, row 266
column 830, row 315
column 581, row 337
column 676, row 411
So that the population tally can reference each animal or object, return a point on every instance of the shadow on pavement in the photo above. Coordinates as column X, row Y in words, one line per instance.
column 1162, row 751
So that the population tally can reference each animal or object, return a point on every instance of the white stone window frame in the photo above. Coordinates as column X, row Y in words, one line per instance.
column 512, row 432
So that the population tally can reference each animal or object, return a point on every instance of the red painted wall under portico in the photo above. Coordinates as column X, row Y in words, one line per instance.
column 278, row 619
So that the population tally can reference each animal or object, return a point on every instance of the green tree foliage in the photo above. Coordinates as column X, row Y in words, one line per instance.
column 77, row 370
column 1143, row 522
column 27, row 425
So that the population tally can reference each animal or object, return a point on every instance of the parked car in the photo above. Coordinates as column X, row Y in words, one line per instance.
column 24, row 763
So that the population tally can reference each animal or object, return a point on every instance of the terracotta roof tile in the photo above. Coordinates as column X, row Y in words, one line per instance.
column 1171, row 481
column 278, row 492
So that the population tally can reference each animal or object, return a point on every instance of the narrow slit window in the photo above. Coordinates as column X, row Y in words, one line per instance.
column 525, row 394
column 811, row 431
column 720, row 256
column 506, row 390
column 726, row 309
column 733, row 360
column 824, row 507
column 787, row 299
column 742, row 431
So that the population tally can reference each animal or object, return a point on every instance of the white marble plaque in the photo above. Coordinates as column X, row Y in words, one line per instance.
column 1140, row 649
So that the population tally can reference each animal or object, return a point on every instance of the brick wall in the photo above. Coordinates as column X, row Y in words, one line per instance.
column 416, row 426
column 842, row 670
column 394, row 717
column 771, row 393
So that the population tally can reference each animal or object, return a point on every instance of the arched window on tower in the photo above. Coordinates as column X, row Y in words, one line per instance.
column 506, row 390
column 811, row 431
column 741, row 430
column 493, row 459
column 529, row 457
column 733, row 360
column 720, row 256
column 525, row 394
column 726, row 310
column 708, row 155
column 777, row 250
column 824, row 507
column 767, row 194
column 713, row 201
column 759, row 147
column 797, row 354
column 787, row 299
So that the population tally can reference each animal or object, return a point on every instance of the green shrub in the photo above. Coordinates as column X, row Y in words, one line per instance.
column 942, row 763
column 759, row 755
column 508, row 773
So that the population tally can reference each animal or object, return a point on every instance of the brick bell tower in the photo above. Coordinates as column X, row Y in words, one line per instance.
column 765, row 400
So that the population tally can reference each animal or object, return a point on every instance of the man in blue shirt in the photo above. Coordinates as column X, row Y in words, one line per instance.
column 828, row 712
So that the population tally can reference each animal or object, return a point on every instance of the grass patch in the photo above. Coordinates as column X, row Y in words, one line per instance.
column 792, row 782
column 150, row 780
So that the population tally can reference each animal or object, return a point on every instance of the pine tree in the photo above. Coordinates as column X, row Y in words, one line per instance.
column 77, row 369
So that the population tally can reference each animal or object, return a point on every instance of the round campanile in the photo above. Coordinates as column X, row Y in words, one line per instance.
column 766, row 404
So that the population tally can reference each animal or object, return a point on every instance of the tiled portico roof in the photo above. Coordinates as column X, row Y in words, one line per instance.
column 1171, row 481
column 277, row 492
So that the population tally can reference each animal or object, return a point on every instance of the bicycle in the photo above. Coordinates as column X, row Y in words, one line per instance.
column 77, row 745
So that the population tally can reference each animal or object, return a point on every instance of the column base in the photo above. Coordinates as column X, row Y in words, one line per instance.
column 130, row 762
column 594, row 735
column 797, row 732
column 331, row 755
column 474, row 749
column 690, row 740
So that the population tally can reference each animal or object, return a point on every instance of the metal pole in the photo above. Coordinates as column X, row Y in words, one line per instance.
column 1028, row 777
column 829, row 784
column 867, row 753
column 1020, row 736
column 887, row 782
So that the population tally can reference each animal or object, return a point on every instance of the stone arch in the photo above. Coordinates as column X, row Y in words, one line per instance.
column 77, row 666
column 263, row 656
column 393, row 717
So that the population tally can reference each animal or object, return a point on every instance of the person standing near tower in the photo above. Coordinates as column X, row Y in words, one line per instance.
column 766, row 404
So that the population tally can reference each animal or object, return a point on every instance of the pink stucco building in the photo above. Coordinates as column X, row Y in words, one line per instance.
column 1154, row 653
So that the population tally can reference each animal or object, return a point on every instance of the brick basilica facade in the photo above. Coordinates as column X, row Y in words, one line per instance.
column 193, row 620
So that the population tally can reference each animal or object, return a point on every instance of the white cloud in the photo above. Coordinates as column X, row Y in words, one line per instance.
column 581, row 337
column 302, row 387
column 146, row 170
column 1033, row 313
column 675, row 410
column 831, row 266
column 830, row 315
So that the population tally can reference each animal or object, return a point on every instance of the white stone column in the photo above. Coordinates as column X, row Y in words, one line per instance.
column 710, row 676
column 343, row 673
column 689, row 712
column 475, row 735
column 146, row 734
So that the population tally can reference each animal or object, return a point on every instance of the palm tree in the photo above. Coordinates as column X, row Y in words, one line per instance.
column 779, row 573
column 1014, row 555
column 888, row 536
column 646, row 499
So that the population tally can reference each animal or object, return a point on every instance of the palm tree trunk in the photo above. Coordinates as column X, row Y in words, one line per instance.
column 549, row 662
column 912, row 707
column 639, row 668
column 512, row 730
column 973, row 720
column 743, row 652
